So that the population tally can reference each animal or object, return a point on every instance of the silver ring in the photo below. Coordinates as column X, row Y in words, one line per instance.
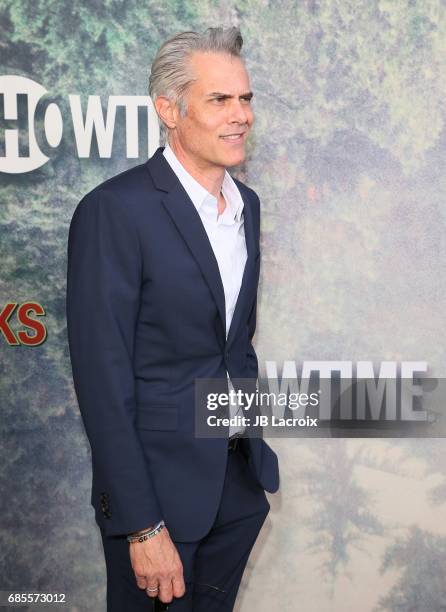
column 155, row 589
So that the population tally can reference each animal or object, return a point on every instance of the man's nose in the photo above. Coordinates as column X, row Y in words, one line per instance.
column 240, row 113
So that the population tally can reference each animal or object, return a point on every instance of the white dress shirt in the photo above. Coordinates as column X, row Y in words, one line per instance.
column 227, row 237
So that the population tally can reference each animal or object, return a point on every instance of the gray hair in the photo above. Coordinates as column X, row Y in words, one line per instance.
column 171, row 75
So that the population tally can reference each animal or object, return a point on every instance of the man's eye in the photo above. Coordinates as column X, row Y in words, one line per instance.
column 219, row 99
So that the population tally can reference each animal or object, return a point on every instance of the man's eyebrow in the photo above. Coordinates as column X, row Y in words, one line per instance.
column 220, row 94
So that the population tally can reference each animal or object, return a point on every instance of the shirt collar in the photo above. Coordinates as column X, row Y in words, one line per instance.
column 198, row 194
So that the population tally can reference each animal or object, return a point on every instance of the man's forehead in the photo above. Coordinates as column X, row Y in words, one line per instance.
column 218, row 72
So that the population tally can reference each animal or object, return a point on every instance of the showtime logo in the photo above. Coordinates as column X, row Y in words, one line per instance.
column 22, row 99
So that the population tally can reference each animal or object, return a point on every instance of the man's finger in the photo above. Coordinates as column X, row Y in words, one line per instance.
column 165, row 590
column 179, row 588
column 141, row 581
column 152, row 589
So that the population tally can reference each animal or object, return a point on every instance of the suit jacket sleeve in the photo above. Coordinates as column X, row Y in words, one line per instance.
column 103, row 287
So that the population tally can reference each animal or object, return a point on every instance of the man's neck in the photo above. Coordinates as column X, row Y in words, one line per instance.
column 209, row 177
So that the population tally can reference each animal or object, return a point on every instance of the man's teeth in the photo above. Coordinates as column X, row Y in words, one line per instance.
column 232, row 136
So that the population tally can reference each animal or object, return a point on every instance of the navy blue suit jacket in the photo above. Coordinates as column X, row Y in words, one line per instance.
column 145, row 318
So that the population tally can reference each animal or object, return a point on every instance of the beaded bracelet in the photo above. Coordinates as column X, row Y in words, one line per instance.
column 146, row 534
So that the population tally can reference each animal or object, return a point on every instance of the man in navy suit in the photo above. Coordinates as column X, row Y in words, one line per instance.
column 163, row 269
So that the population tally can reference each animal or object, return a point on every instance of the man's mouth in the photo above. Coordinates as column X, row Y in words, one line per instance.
column 233, row 137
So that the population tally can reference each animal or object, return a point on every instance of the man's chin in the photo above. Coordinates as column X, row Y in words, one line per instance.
column 235, row 159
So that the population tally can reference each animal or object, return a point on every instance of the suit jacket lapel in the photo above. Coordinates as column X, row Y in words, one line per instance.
column 248, row 287
column 185, row 216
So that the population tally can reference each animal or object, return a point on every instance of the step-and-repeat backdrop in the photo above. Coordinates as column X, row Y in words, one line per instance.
column 347, row 155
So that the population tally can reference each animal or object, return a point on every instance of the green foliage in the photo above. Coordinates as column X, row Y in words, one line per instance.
column 377, row 68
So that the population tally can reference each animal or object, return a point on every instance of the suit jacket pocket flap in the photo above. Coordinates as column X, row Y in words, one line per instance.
column 161, row 418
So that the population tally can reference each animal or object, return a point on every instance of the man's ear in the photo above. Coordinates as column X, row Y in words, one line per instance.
column 167, row 111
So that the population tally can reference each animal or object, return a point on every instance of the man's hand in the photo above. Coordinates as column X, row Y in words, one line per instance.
column 156, row 563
